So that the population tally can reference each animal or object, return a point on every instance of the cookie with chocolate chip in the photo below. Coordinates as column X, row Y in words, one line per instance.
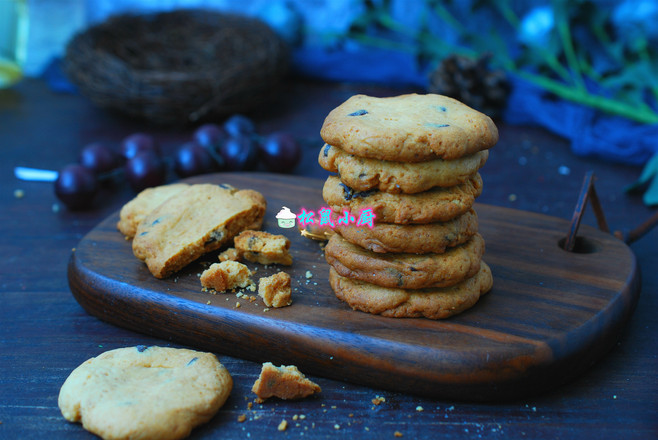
column 145, row 392
column 432, row 303
column 408, row 128
column 193, row 222
column 363, row 174
column 415, row 239
column 133, row 212
column 435, row 205
column 405, row 271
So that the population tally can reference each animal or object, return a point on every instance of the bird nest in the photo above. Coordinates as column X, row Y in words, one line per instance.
column 177, row 67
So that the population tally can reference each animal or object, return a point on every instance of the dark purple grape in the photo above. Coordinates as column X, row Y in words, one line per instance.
column 99, row 158
column 76, row 186
column 144, row 170
column 137, row 143
column 240, row 153
column 192, row 159
column 280, row 152
column 210, row 136
column 238, row 125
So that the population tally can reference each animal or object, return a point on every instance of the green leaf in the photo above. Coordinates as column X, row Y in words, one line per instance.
column 650, row 171
column 637, row 76
column 650, row 197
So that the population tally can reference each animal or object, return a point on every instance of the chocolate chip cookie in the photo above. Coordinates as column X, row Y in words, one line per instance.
column 408, row 128
column 433, row 303
column 193, row 222
column 405, row 271
column 435, row 205
column 415, row 239
column 145, row 392
column 363, row 174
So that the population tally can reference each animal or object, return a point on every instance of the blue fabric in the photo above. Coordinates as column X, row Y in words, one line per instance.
column 590, row 132
column 353, row 64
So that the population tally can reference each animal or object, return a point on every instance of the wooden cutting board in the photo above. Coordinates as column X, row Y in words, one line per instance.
column 550, row 315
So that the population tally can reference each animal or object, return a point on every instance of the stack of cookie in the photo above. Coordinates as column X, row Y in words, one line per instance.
column 413, row 162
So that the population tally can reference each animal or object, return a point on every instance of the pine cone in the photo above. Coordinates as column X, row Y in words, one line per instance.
column 471, row 82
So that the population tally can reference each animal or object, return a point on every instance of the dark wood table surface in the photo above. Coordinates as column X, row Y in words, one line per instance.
column 45, row 333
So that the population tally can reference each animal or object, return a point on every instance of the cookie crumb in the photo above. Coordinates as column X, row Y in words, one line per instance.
column 226, row 275
column 378, row 400
column 275, row 290
column 263, row 247
column 242, row 418
column 282, row 426
column 419, row 408
column 336, row 426
column 309, row 274
column 397, row 434
column 19, row 193
column 229, row 254
column 285, row 382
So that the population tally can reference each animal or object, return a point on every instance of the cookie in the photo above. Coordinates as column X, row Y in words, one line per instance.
column 226, row 275
column 363, row 174
column 231, row 254
column 136, row 210
column 436, row 205
column 405, row 271
column 263, row 247
column 408, row 128
column 284, row 382
column 145, row 392
column 433, row 303
column 197, row 220
column 415, row 239
column 275, row 290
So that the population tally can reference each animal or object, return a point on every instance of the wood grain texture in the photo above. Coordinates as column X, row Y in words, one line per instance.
column 550, row 315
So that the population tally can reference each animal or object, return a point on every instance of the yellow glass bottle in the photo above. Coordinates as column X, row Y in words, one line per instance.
column 13, row 40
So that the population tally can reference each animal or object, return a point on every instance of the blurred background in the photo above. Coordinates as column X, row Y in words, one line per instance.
column 586, row 70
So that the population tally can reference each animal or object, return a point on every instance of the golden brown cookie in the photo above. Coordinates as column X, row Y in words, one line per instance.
column 226, row 275
column 363, row 174
column 415, row 239
column 275, row 290
column 145, row 392
column 197, row 220
column 408, row 128
column 435, row 205
column 263, row 247
column 406, row 271
column 434, row 303
column 284, row 382
column 136, row 210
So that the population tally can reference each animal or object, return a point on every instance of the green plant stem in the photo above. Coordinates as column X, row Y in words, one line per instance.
column 507, row 12
column 644, row 55
column 567, row 43
column 572, row 88
column 595, row 101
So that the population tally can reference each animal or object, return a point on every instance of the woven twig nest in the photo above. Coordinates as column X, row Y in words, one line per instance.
column 177, row 67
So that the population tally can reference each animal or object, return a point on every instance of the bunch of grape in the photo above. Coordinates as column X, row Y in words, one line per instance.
column 233, row 146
